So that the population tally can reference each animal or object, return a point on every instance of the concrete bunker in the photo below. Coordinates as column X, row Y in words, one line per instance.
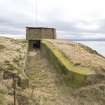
column 34, row 44
column 34, row 35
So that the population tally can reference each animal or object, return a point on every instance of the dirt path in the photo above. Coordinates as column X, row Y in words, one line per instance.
column 49, row 87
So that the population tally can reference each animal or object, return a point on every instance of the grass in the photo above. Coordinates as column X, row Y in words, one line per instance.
column 90, row 50
column 2, row 99
column 71, row 72
column 66, row 62
column 3, row 93
column 2, row 47
column 47, row 85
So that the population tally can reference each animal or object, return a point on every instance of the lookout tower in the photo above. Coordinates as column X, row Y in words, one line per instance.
column 34, row 35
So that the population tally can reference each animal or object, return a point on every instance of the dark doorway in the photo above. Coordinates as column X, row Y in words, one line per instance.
column 36, row 44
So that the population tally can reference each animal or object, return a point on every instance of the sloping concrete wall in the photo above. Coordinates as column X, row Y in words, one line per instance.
column 75, row 76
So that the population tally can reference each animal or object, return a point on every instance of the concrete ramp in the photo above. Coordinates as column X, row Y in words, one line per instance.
column 74, row 74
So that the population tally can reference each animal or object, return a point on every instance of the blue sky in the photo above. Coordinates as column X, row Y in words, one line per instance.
column 71, row 18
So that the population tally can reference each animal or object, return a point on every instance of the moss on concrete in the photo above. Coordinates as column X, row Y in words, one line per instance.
column 75, row 74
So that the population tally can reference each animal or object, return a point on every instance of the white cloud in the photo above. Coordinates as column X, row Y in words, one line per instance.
column 88, row 27
column 70, row 17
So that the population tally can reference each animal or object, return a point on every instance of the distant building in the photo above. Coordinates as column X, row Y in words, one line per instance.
column 35, row 34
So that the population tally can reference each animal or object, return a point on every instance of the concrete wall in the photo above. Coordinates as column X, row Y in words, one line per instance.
column 33, row 34
column 71, row 74
column 40, row 33
column 48, row 33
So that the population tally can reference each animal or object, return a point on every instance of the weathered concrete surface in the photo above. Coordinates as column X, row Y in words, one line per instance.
column 74, row 73
column 38, row 33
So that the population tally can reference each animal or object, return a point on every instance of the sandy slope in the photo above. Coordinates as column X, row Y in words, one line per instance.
column 47, row 86
column 12, row 54
column 12, row 58
column 50, row 89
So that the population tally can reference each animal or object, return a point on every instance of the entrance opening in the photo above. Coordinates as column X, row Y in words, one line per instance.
column 36, row 44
